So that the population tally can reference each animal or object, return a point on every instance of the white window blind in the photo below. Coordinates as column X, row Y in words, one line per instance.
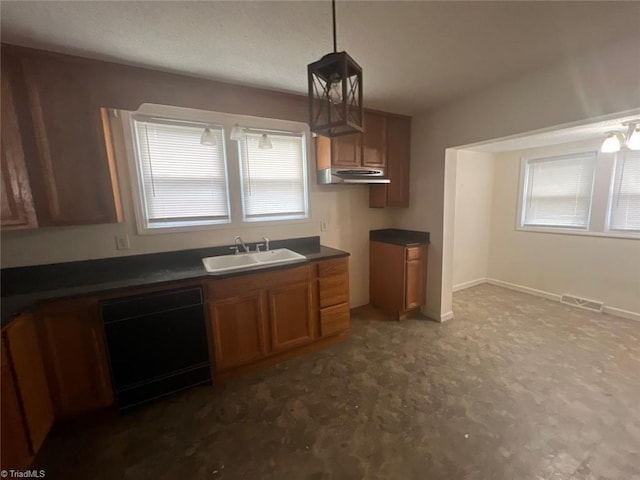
column 182, row 182
column 558, row 191
column 274, row 182
column 624, row 208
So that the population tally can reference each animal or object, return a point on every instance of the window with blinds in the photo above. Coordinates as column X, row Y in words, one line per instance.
column 624, row 205
column 558, row 191
column 182, row 182
column 274, row 181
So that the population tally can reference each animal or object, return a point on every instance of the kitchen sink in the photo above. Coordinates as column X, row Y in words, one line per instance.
column 249, row 261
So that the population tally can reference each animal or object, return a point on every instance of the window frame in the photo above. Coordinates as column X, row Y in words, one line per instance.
column 610, row 200
column 598, row 223
column 232, row 164
column 526, row 164
column 305, row 178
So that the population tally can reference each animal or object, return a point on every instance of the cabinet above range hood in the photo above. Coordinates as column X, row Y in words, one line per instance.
column 352, row 175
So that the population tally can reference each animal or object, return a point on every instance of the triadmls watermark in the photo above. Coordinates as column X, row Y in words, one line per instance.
column 23, row 474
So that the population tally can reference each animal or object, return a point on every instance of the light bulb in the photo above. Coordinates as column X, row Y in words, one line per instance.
column 265, row 142
column 335, row 89
column 237, row 133
column 633, row 142
column 612, row 143
column 208, row 137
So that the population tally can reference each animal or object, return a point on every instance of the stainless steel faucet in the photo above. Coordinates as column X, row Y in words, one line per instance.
column 239, row 241
column 266, row 242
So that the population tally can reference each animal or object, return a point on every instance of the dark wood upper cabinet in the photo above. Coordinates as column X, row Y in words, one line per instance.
column 346, row 151
column 396, row 193
column 75, row 179
column 368, row 149
column 17, row 202
column 374, row 140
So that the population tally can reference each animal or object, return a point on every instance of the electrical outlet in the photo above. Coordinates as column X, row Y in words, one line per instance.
column 324, row 225
column 122, row 242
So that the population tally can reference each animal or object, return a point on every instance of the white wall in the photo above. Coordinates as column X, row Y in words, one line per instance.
column 597, row 268
column 474, row 197
column 345, row 208
column 603, row 82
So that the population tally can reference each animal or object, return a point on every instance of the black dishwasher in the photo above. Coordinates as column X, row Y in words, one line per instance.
column 157, row 344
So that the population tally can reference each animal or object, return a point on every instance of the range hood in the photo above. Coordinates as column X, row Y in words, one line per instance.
column 353, row 175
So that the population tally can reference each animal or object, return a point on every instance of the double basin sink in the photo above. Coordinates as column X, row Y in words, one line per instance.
column 250, row 261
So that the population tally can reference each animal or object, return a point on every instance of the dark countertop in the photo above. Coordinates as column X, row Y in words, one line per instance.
column 23, row 287
column 396, row 236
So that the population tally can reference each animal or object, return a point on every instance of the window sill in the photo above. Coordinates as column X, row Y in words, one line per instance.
column 582, row 233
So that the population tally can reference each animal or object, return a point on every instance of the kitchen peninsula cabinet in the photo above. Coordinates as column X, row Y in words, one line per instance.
column 398, row 270
column 75, row 356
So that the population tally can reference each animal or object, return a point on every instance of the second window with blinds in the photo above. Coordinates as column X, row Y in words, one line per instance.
column 197, row 169
column 584, row 192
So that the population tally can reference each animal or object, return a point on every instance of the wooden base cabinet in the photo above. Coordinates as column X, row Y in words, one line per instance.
column 333, row 293
column 397, row 278
column 257, row 315
column 262, row 318
column 15, row 451
column 238, row 329
column 75, row 357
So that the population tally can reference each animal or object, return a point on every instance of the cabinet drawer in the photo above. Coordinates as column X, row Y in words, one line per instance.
column 415, row 253
column 333, row 290
column 334, row 319
column 333, row 267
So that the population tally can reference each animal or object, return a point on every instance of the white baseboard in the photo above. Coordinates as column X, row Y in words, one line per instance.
column 617, row 312
column 523, row 289
column 469, row 284
column 437, row 316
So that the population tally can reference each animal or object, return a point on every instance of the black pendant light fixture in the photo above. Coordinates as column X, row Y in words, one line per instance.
column 335, row 92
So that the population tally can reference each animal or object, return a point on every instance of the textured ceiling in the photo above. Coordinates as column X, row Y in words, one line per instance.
column 414, row 54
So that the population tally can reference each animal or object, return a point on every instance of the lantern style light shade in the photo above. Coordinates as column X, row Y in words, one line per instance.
column 335, row 95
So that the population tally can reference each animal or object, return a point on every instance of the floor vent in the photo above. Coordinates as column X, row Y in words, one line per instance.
column 582, row 303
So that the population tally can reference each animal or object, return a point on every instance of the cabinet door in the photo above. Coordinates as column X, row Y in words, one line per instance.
column 346, row 151
column 374, row 140
column 75, row 357
column 416, row 277
column 17, row 204
column 399, row 156
column 238, row 330
column 291, row 316
column 26, row 359
column 77, row 181
column 15, row 454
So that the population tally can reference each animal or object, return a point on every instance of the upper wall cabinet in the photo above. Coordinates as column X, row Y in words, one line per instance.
column 60, row 122
column 366, row 149
column 396, row 193
column 17, row 203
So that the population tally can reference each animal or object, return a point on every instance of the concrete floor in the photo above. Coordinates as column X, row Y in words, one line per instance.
column 515, row 387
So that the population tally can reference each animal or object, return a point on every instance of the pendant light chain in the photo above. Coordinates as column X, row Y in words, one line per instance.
column 335, row 41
